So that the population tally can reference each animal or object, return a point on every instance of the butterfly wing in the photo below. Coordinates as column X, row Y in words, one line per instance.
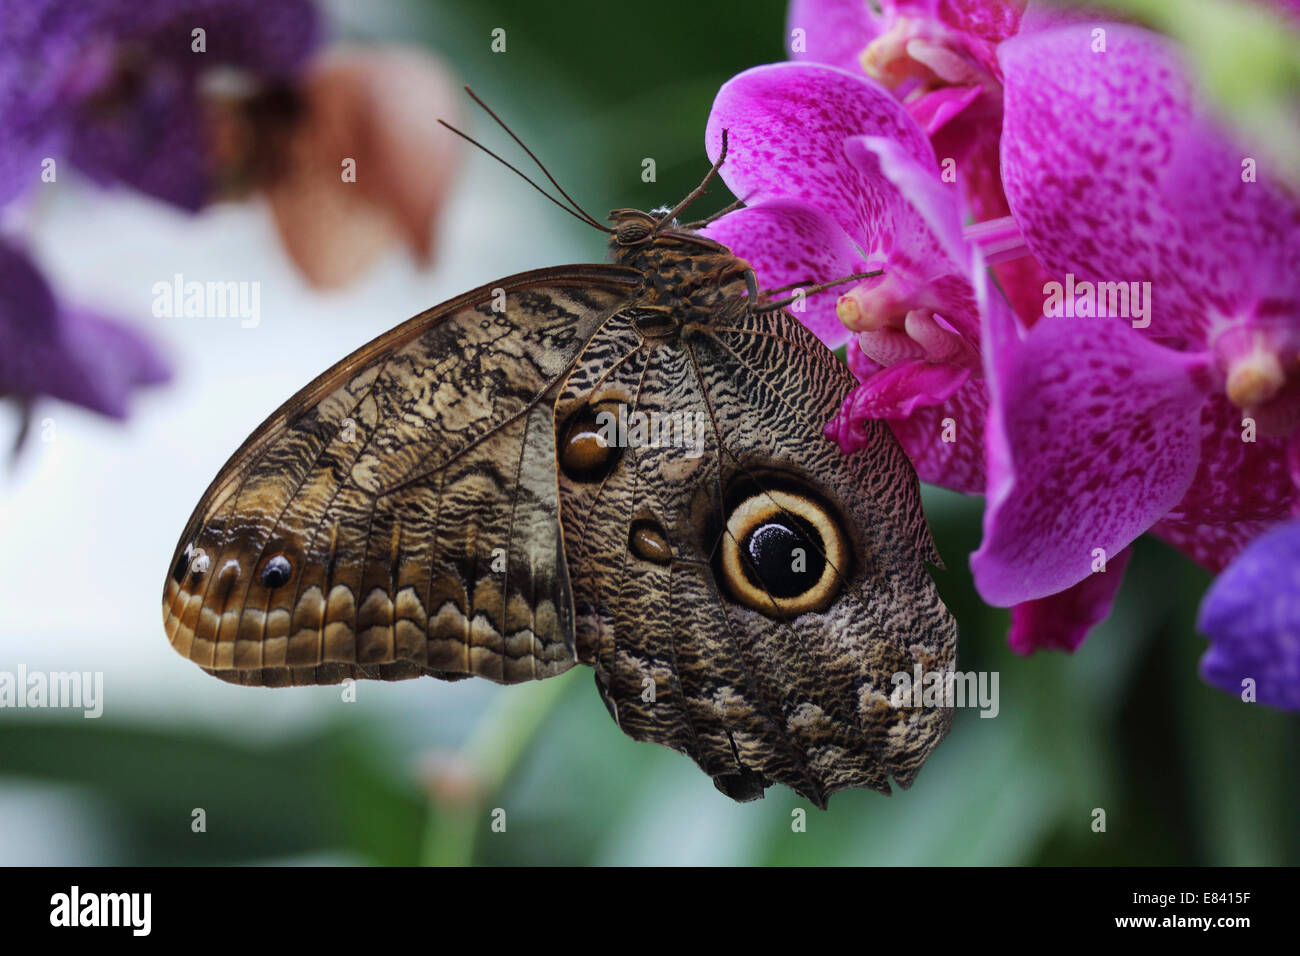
column 398, row 516
column 708, row 631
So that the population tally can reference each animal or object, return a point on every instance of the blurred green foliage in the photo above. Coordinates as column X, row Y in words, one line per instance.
column 1184, row 773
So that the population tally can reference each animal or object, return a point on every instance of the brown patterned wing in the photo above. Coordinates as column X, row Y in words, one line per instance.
column 398, row 516
column 709, row 633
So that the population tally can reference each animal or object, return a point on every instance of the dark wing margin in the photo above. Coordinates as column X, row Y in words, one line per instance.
column 410, row 491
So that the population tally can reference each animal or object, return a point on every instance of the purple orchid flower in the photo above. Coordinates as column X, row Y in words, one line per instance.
column 840, row 179
column 65, row 352
column 113, row 85
column 1174, row 418
column 1252, row 614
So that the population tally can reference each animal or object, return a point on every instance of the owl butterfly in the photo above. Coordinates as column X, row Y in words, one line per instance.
column 620, row 466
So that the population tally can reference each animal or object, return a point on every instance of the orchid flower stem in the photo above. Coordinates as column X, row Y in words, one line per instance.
column 494, row 750
column 998, row 240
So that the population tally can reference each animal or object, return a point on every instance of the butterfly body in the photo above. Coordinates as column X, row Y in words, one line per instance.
column 621, row 466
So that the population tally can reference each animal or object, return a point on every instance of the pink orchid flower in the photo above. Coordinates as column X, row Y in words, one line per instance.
column 1174, row 416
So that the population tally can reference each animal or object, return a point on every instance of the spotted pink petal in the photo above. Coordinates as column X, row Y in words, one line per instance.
column 934, row 110
column 924, row 213
column 944, row 441
column 789, row 241
column 924, row 240
column 835, row 32
column 787, row 124
column 981, row 24
column 1062, row 620
column 1093, row 436
column 894, row 392
column 957, row 464
column 1101, row 152
column 1238, row 483
column 1212, row 546
column 991, row 20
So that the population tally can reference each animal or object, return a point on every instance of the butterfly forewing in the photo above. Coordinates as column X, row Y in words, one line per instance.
column 398, row 516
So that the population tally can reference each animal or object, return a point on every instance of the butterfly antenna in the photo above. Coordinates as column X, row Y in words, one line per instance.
column 811, row 289
column 587, row 220
column 699, row 190
column 540, row 165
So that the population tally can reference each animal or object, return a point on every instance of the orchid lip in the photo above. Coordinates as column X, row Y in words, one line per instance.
column 897, row 322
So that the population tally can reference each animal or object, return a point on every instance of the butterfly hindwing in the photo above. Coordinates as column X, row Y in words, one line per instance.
column 760, row 691
column 398, row 516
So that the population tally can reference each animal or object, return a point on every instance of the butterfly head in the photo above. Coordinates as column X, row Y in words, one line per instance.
column 636, row 229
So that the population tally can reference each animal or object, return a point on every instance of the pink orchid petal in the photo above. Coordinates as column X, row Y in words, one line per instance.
column 893, row 392
column 859, row 363
column 925, row 240
column 980, row 24
column 1237, row 480
column 1212, row 546
column 787, row 124
column 1062, row 620
column 932, row 111
column 957, row 464
column 1100, row 154
column 789, row 241
column 974, row 145
column 1241, row 489
column 1041, row 15
column 1022, row 281
column 835, row 32
column 1093, row 436
column 990, row 20
column 925, row 212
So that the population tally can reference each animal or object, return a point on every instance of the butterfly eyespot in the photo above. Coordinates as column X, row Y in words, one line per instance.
column 276, row 571
column 586, row 452
column 784, row 553
column 646, row 539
